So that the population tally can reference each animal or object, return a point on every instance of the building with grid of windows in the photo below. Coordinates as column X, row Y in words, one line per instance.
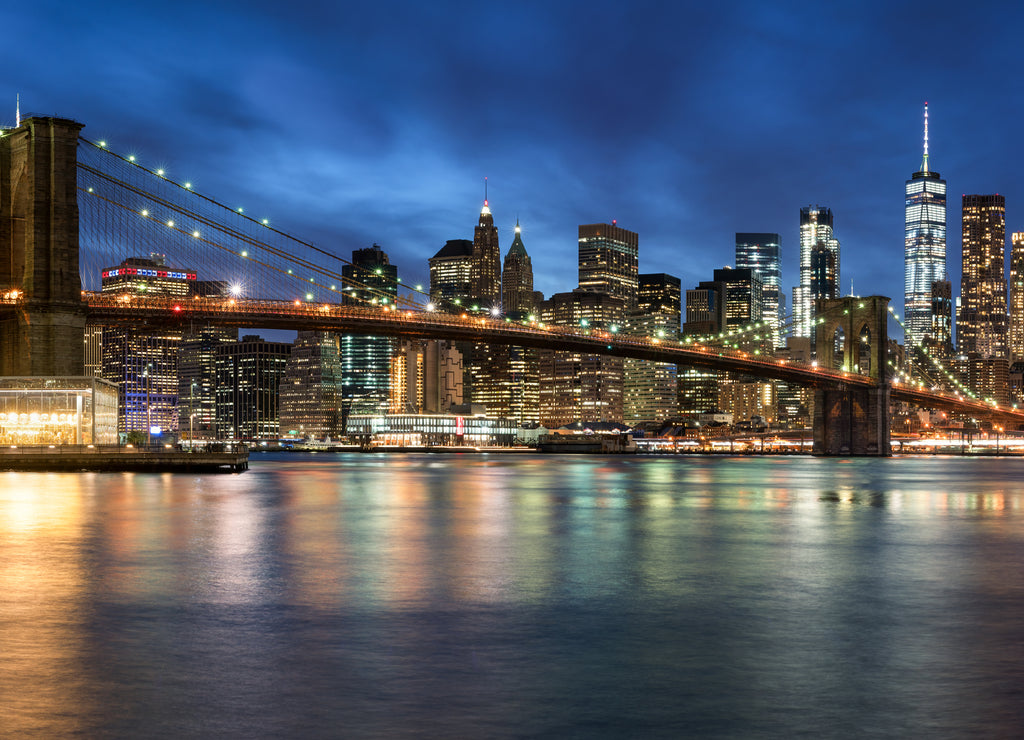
column 143, row 362
column 197, row 379
column 310, row 394
column 982, row 318
column 370, row 279
column 924, row 245
column 608, row 261
column 1017, row 296
column 819, row 266
column 249, row 374
column 650, row 389
column 762, row 253
column 578, row 387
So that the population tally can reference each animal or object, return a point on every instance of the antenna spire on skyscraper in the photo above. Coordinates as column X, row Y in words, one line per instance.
column 17, row 111
column 486, row 209
column 924, row 162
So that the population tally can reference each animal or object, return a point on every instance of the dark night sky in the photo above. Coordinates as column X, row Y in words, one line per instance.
column 351, row 123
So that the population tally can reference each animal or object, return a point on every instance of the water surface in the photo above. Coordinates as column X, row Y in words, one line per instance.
column 516, row 596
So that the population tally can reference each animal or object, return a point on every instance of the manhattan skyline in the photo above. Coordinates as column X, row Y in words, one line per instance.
column 686, row 125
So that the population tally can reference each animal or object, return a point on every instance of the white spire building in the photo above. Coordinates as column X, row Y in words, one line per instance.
column 924, row 245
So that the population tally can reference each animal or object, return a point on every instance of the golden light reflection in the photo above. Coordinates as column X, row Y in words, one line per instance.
column 42, row 604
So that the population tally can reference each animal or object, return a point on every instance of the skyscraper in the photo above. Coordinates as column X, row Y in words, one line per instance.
column 249, row 374
column 762, row 253
column 818, row 249
column 1017, row 296
column 517, row 296
column 486, row 261
column 924, row 244
column 504, row 378
column 366, row 360
column 197, row 381
column 608, row 261
column 982, row 317
column 451, row 275
column 650, row 389
column 574, row 386
column 143, row 363
column 310, row 391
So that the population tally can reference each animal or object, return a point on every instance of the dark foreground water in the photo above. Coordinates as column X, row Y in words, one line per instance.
column 475, row 596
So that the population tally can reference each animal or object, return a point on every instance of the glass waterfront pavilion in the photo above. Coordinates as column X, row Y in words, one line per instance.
column 924, row 245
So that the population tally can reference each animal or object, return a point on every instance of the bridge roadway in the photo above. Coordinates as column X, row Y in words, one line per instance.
column 112, row 309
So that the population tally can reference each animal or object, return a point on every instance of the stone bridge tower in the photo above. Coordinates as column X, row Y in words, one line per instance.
column 853, row 335
column 45, row 332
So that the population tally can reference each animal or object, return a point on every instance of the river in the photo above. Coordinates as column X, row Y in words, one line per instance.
column 489, row 596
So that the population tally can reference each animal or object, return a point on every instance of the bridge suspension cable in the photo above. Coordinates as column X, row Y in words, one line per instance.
column 137, row 212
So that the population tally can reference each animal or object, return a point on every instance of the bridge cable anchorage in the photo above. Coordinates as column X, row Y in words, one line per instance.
column 160, row 180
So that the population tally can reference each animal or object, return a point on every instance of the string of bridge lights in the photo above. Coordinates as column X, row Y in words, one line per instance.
column 353, row 288
column 383, row 294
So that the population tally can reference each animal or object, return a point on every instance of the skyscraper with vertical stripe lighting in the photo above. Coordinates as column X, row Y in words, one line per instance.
column 924, row 245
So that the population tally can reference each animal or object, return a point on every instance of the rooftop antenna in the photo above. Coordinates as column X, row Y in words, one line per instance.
column 924, row 162
column 17, row 111
column 485, row 190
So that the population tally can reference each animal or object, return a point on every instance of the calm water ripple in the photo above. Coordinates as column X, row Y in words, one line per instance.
column 480, row 596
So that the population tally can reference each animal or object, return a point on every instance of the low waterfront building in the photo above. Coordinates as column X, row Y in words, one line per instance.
column 446, row 430
column 57, row 411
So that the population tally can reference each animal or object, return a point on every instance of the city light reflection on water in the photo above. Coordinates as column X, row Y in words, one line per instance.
column 476, row 595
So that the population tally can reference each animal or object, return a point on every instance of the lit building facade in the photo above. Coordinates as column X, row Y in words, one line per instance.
column 518, row 299
column 504, row 379
column 371, row 279
column 650, row 389
column 249, row 374
column 426, row 377
column 451, row 274
column 433, row 429
column 982, row 317
column 762, row 253
column 57, row 411
column 608, row 261
column 197, row 381
column 819, row 266
column 143, row 363
column 1017, row 296
column 310, row 394
column 924, row 244
column 486, row 261
column 938, row 340
column 578, row 387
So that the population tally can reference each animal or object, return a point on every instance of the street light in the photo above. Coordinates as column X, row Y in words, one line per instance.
column 149, row 417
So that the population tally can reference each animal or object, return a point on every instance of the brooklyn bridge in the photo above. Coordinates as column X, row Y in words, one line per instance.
column 69, row 207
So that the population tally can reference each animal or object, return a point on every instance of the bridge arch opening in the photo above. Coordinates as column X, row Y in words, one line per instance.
column 836, row 362
column 863, row 351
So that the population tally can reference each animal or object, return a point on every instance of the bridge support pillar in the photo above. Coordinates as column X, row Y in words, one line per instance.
column 852, row 422
column 44, row 332
column 851, row 334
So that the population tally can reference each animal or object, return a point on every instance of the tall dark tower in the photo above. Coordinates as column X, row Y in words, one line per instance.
column 365, row 360
column 486, row 260
column 517, row 297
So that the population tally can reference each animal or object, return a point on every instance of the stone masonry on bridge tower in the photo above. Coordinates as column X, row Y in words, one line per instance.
column 853, row 421
column 43, row 333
